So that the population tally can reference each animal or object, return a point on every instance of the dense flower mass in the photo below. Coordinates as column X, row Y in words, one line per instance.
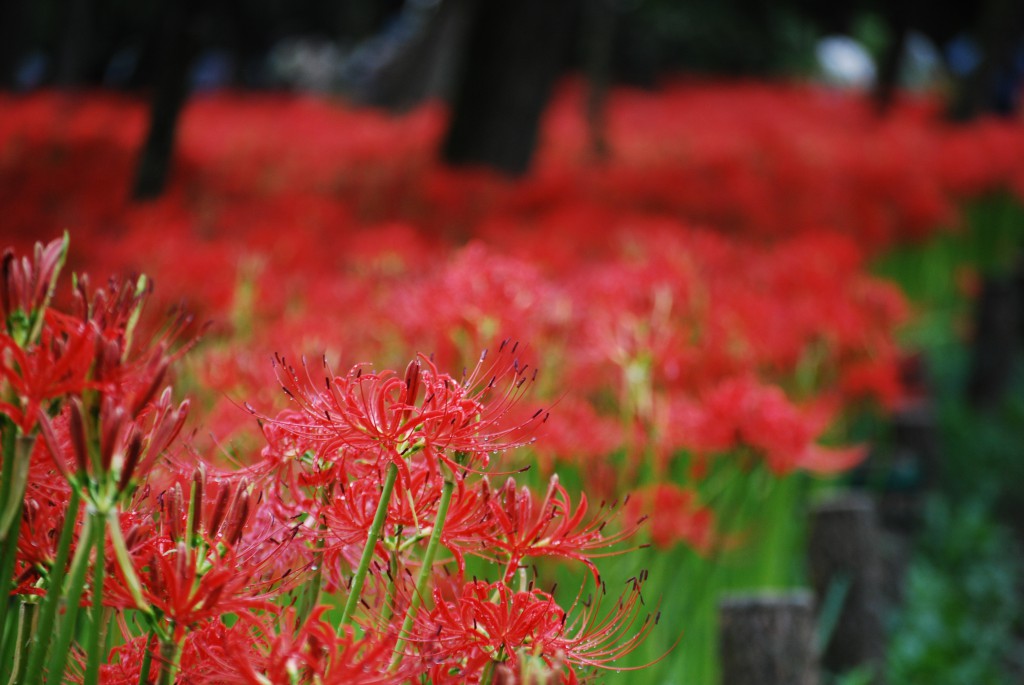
column 700, row 304
column 368, row 486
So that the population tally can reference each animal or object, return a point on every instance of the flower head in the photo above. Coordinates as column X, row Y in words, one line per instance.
column 385, row 417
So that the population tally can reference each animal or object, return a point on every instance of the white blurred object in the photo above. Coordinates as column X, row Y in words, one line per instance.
column 845, row 62
column 306, row 64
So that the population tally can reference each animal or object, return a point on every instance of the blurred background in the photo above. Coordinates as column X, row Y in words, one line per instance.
column 766, row 253
column 496, row 65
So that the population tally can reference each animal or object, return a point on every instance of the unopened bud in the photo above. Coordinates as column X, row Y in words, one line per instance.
column 181, row 562
column 196, row 502
column 76, row 426
column 147, row 393
column 235, row 525
column 131, row 458
column 220, row 507
column 172, row 507
column 111, row 420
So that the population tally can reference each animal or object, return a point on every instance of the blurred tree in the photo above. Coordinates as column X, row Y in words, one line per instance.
column 516, row 50
column 599, row 26
column 179, row 44
column 12, row 17
column 75, row 59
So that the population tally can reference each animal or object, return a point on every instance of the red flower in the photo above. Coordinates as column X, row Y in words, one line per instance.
column 523, row 527
column 27, row 286
column 675, row 515
column 56, row 366
column 489, row 622
column 385, row 417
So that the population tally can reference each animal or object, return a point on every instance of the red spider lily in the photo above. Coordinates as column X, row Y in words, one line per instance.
column 203, row 652
column 520, row 527
column 386, row 417
column 490, row 623
column 58, row 365
column 744, row 411
column 128, row 447
column 27, row 286
column 41, row 522
column 487, row 622
column 675, row 515
column 224, row 564
column 307, row 652
column 187, row 587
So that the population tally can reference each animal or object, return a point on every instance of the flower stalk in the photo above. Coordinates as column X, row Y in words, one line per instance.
column 426, row 570
column 9, row 544
column 48, row 610
column 371, row 543
column 98, row 624
column 72, row 595
column 170, row 654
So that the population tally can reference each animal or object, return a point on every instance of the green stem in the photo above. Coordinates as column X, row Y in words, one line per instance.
column 169, row 656
column 94, row 651
column 72, row 596
column 371, row 543
column 26, row 616
column 20, row 453
column 391, row 591
column 7, row 557
column 124, row 562
column 147, row 659
column 487, row 677
column 9, row 545
column 55, row 582
column 426, row 571
column 312, row 597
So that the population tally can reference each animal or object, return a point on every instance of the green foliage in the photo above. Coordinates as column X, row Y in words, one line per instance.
column 962, row 598
column 961, row 602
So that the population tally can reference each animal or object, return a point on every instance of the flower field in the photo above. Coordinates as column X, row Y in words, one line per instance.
column 370, row 419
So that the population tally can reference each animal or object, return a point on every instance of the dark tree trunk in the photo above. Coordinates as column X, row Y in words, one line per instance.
column 600, row 31
column 12, row 15
column 179, row 44
column 892, row 58
column 74, row 60
column 515, row 52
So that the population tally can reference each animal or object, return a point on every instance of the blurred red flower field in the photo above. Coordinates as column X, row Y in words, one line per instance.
column 699, row 303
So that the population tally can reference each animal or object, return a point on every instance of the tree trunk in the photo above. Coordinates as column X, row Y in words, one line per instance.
column 12, row 14
column 891, row 60
column 515, row 52
column 75, row 56
column 179, row 45
column 600, row 30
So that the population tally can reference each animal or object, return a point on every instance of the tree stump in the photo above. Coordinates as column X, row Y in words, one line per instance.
column 767, row 639
column 845, row 560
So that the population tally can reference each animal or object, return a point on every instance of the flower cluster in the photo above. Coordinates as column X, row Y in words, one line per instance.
column 731, row 265
column 372, row 489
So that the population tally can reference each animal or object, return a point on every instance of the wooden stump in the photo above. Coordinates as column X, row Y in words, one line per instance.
column 767, row 639
column 845, row 562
